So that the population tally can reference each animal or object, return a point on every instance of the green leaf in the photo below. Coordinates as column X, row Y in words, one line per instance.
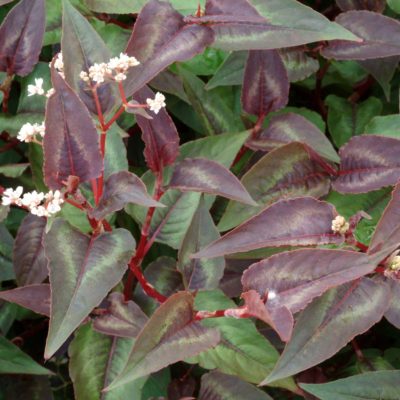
column 35, row 155
column 76, row 217
column 388, row 125
column 377, row 385
column 13, row 123
column 82, row 271
column 394, row 5
column 13, row 170
column 116, row 157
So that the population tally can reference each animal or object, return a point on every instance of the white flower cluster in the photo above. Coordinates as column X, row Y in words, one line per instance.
column 394, row 264
column 157, row 103
column 32, row 201
column 28, row 132
column 115, row 69
column 340, row 225
column 59, row 64
column 37, row 88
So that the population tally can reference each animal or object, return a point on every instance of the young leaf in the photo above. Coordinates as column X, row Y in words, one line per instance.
column 368, row 162
column 21, row 37
column 30, row 264
column 302, row 221
column 207, row 176
column 323, row 328
column 71, row 145
column 169, row 336
column 265, row 83
column 82, row 271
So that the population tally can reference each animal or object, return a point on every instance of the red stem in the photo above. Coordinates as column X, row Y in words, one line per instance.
column 361, row 246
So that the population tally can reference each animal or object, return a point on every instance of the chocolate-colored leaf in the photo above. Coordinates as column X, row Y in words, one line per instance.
column 323, row 328
column 371, row 5
column 30, row 264
column 207, row 176
column 169, row 336
column 368, row 162
column 296, row 277
column 124, row 319
column 82, row 271
column 120, row 189
column 171, row 41
column 302, row 221
column 392, row 314
column 265, row 83
column 21, row 37
column 71, row 144
column 33, row 297
column 380, row 37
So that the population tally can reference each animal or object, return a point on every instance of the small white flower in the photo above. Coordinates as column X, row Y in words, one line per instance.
column 53, row 201
column 98, row 72
column 120, row 77
column 39, row 211
column 50, row 92
column 32, row 199
column 11, row 196
column 339, row 225
column 37, row 88
column 40, row 129
column 156, row 104
column 84, row 76
column 59, row 63
column 394, row 264
column 272, row 295
column 26, row 133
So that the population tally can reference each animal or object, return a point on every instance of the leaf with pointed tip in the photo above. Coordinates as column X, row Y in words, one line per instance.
column 371, row 5
column 71, row 144
column 30, row 264
column 169, row 336
column 82, row 271
column 302, row 221
column 380, row 37
column 170, row 41
column 13, row 170
column 218, row 386
column 124, row 319
column 291, row 173
column 265, row 83
column 33, row 297
column 368, row 162
column 297, row 277
column 21, row 37
column 392, row 314
column 324, row 327
column 207, row 176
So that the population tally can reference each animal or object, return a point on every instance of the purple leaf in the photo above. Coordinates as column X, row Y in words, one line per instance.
column 71, row 143
column 392, row 314
column 297, row 277
column 30, row 264
column 329, row 323
column 123, row 319
column 368, row 162
column 303, row 221
column 159, row 135
column 265, row 83
column 166, row 42
column 33, row 297
column 371, row 5
column 290, row 127
column 21, row 37
column 380, row 34
column 120, row 189
column 207, row 176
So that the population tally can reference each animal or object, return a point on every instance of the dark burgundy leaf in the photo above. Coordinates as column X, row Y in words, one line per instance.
column 159, row 135
column 302, row 221
column 294, row 278
column 165, row 43
column 71, row 143
column 33, row 297
column 231, row 283
column 30, row 263
column 21, row 37
column 207, row 176
column 265, row 83
column 371, row 5
column 392, row 314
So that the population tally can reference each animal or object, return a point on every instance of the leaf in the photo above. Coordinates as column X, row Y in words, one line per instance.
column 265, row 83
column 21, row 37
column 376, row 385
column 34, row 297
column 218, row 386
column 30, row 264
column 120, row 189
column 95, row 360
column 297, row 277
column 329, row 323
column 169, row 336
column 394, row 5
column 298, row 64
column 301, row 221
column 291, row 173
column 71, row 144
column 200, row 273
column 386, row 125
column 207, row 176
column 115, row 159
column 15, row 361
column 82, row 271
column 380, row 37
column 291, row 127
column 372, row 5
column 13, row 170
column 170, row 42
column 123, row 319
column 368, row 162
column 392, row 314
column 159, row 135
